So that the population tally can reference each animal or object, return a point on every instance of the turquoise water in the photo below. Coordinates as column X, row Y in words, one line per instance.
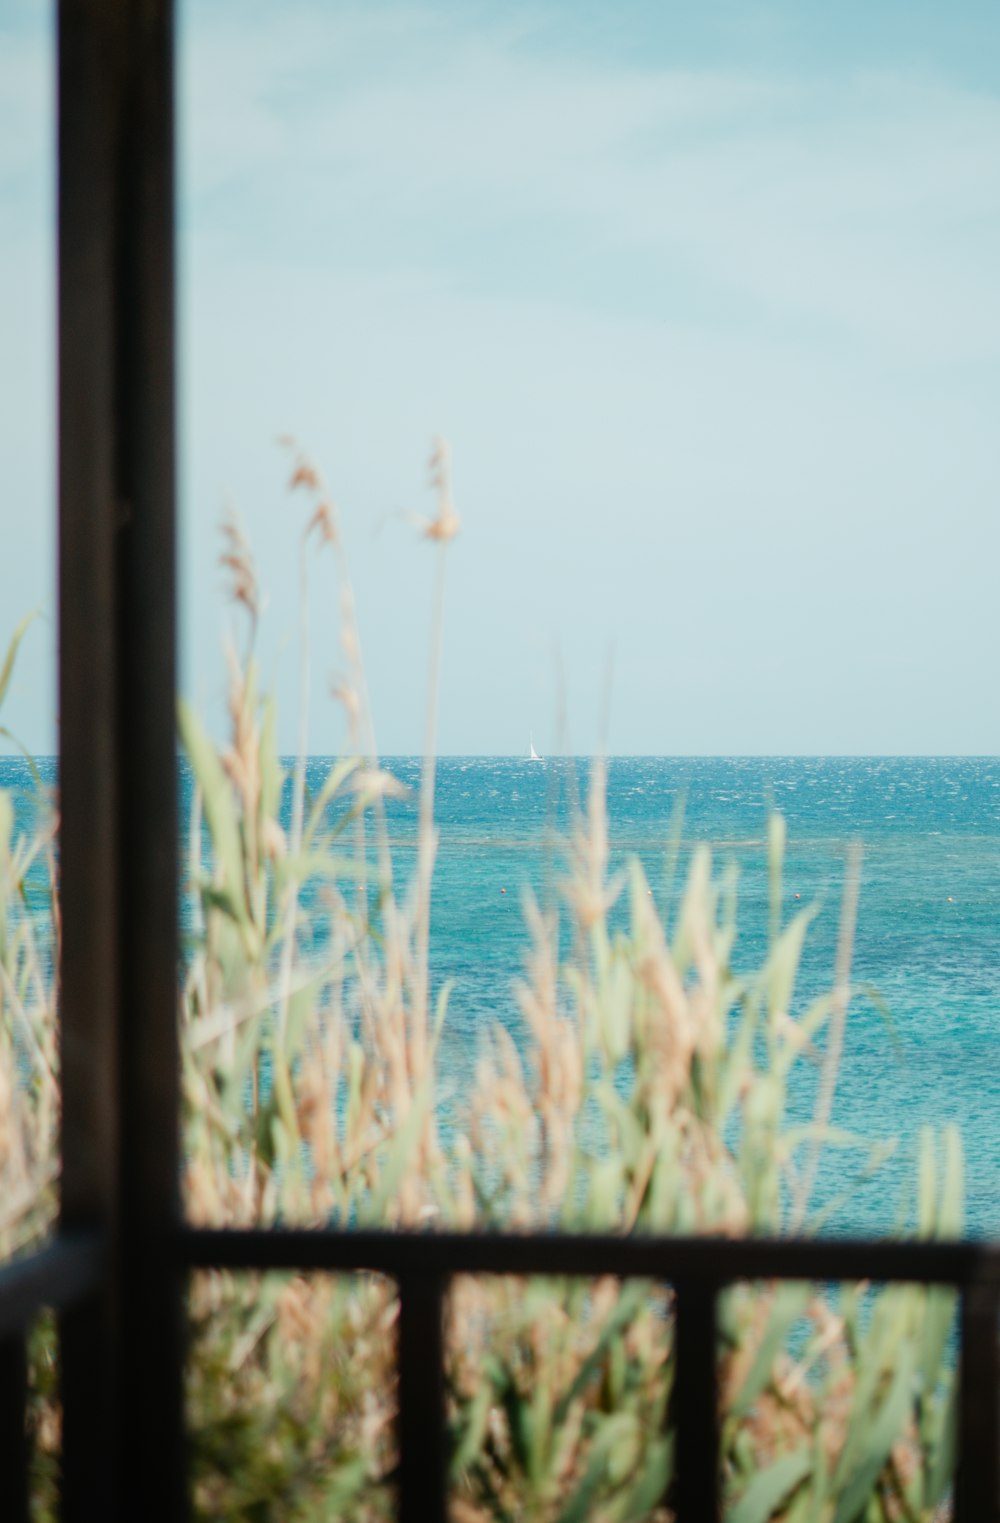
column 927, row 935
column 928, row 931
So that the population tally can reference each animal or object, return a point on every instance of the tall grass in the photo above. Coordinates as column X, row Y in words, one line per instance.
column 650, row 1094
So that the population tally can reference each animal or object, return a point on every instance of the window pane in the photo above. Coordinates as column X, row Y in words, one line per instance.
column 28, row 733
column 291, row 1397
column 559, row 1394
column 844, row 1395
column 712, row 399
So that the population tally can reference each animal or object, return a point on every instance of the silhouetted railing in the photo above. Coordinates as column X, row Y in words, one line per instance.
column 422, row 1265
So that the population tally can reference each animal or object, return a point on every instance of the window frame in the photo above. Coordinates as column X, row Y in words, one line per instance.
column 117, row 1268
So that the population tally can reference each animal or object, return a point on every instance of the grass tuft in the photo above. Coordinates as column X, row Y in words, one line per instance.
column 650, row 1094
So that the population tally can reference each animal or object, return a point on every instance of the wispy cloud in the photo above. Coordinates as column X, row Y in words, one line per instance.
column 869, row 202
column 719, row 341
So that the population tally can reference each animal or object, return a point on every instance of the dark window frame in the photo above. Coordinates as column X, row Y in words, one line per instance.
column 117, row 1267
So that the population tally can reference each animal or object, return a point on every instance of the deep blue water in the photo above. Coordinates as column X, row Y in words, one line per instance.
column 927, row 934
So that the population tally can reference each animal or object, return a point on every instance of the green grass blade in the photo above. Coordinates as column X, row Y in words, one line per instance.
column 880, row 1434
column 219, row 810
column 790, row 1302
column 771, row 1487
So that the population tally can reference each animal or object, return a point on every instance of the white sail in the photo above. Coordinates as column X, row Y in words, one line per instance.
column 532, row 753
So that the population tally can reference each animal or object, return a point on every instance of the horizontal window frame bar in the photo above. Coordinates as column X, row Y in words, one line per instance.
column 715, row 1261
column 70, row 1267
column 65, row 1271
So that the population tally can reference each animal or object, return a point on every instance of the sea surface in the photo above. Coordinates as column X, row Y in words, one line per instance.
column 928, row 933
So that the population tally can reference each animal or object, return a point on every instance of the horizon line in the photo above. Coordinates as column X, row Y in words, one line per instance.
column 15, row 754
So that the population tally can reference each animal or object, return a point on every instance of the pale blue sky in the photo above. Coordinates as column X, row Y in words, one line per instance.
column 705, row 298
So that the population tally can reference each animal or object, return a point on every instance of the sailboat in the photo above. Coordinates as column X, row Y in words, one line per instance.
column 532, row 753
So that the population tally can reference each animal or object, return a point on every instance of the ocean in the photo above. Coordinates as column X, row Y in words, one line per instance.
column 927, row 934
